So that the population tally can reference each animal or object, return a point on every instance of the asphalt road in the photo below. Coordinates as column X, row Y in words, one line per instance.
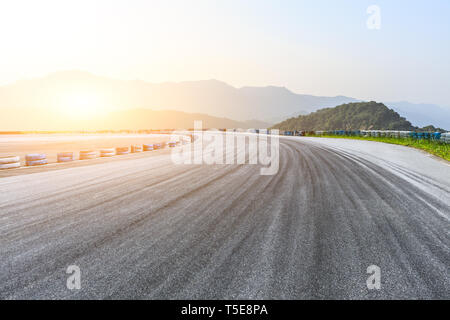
column 145, row 228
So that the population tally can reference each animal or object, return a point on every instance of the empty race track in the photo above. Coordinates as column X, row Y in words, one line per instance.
column 143, row 227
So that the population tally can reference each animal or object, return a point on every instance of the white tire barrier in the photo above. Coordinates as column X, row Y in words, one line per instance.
column 122, row 150
column 9, row 159
column 148, row 147
column 445, row 137
column 35, row 156
column 35, row 159
column 65, row 154
column 10, row 165
column 64, row 157
column 107, row 152
column 32, row 163
column 87, row 155
column 136, row 148
column 9, row 162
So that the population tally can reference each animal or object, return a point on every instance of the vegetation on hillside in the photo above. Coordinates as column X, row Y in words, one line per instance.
column 351, row 116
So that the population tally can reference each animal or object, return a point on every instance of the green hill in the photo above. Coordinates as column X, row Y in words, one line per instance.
column 351, row 116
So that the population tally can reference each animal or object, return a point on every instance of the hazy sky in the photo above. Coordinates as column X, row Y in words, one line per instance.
column 316, row 47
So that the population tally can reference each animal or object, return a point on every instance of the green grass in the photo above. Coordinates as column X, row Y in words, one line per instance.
column 439, row 149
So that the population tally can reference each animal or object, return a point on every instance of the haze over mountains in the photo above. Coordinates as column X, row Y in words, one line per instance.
column 39, row 103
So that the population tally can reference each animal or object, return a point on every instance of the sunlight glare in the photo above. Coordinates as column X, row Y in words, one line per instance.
column 81, row 105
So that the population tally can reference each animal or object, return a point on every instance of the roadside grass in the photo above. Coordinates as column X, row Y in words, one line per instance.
column 434, row 147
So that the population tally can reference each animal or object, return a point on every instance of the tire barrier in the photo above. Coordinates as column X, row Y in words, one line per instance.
column 445, row 137
column 10, row 165
column 9, row 162
column 64, row 157
column 36, row 162
column 35, row 159
column 122, row 150
column 88, row 154
column 32, row 163
column 9, row 159
column 136, row 148
column 148, row 147
column 107, row 152
column 35, row 156
column 436, row 136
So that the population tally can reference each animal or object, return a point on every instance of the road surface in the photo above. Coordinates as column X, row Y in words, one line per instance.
column 146, row 228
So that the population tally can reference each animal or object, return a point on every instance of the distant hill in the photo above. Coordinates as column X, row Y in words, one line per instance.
column 351, row 116
column 422, row 114
column 133, row 119
column 139, row 119
column 35, row 98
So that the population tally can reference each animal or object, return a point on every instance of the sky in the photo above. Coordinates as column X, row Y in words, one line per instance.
column 320, row 47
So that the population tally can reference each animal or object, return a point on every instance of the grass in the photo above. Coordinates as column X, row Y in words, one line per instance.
column 434, row 147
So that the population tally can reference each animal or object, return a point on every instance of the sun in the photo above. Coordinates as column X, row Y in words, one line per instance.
column 81, row 105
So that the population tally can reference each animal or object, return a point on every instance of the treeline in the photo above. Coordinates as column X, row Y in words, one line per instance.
column 352, row 116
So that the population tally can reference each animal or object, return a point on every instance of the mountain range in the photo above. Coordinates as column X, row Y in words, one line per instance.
column 39, row 100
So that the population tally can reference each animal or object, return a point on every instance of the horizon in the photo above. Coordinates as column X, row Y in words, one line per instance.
column 86, row 72
column 82, row 100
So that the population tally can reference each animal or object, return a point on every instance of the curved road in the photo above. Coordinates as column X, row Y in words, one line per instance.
column 148, row 229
